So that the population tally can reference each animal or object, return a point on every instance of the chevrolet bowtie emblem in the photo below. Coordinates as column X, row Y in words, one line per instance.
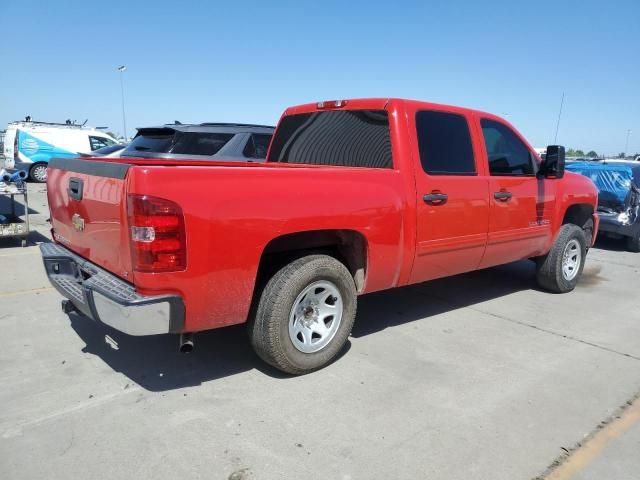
column 78, row 222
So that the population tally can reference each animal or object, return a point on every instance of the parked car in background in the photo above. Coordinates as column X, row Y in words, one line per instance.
column 29, row 145
column 207, row 141
column 112, row 151
column 618, row 186
column 357, row 196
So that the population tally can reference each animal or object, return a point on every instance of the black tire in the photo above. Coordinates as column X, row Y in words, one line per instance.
column 633, row 242
column 588, row 233
column 35, row 172
column 549, row 271
column 269, row 327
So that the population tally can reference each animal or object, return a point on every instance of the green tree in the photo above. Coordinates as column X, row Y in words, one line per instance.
column 579, row 153
column 592, row 154
column 621, row 155
column 571, row 152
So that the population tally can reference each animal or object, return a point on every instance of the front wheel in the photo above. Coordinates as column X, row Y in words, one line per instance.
column 559, row 270
column 38, row 172
column 305, row 314
column 633, row 242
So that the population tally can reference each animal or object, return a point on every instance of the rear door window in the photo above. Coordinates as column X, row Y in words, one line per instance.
column 351, row 138
column 444, row 142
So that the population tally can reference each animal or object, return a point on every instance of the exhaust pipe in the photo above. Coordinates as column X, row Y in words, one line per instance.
column 186, row 342
column 68, row 306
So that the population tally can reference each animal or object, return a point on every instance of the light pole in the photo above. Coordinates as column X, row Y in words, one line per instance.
column 626, row 144
column 121, row 69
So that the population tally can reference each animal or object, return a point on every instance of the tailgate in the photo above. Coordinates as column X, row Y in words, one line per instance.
column 87, row 200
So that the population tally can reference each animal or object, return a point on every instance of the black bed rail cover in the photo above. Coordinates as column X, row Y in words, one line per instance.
column 91, row 167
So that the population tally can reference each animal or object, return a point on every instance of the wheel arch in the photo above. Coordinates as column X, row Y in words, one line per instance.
column 347, row 246
column 579, row 214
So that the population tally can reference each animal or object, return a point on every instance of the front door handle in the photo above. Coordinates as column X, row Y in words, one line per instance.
column 436, row 198
column 502, row 196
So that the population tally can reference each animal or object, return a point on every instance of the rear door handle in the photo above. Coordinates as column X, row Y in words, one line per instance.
column 502, row 196
column 436, row 198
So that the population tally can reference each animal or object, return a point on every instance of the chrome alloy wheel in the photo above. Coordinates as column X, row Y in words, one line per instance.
column 39, row 173
column 315, row 316
column 571, row 260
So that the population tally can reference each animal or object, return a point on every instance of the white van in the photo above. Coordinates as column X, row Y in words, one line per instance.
column 30, row 145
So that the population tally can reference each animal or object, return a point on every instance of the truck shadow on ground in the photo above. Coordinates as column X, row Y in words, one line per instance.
column 34, row 238
column 156, row 365
column 382, row 310
column 154, row 362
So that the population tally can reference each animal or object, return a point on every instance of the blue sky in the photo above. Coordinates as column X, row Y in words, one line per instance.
column 246, row 61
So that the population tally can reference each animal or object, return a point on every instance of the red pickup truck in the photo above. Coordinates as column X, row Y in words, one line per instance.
column 356, row 196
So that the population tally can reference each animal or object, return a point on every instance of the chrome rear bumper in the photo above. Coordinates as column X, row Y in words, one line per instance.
column 106, row 298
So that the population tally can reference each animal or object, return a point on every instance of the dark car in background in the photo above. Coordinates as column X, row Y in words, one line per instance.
column 618, row 186
column 210, row 141
column 111, row 151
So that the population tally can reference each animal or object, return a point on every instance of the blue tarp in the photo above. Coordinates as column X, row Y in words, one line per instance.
column 613, row 180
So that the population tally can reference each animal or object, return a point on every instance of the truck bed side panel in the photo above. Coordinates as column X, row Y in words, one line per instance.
column 232, row 214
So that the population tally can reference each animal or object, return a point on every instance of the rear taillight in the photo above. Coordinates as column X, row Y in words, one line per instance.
column 16, row 144
column 156, row 230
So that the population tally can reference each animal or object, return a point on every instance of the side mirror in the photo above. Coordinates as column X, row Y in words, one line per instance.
column 553, row 163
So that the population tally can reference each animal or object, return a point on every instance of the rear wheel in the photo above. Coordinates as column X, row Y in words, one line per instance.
column 38, row 172
column 560, row 269
column 305, row 314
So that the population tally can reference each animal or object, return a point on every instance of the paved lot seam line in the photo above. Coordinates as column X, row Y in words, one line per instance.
column 581, row 455
column 535, row 327
column 23, row 292
column 20, row 254
column 561, row 335
column 18, row 428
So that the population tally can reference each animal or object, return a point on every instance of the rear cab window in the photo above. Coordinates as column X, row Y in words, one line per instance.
column 350, row 138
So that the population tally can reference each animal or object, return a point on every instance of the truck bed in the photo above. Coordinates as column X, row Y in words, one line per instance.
column 232, row 211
